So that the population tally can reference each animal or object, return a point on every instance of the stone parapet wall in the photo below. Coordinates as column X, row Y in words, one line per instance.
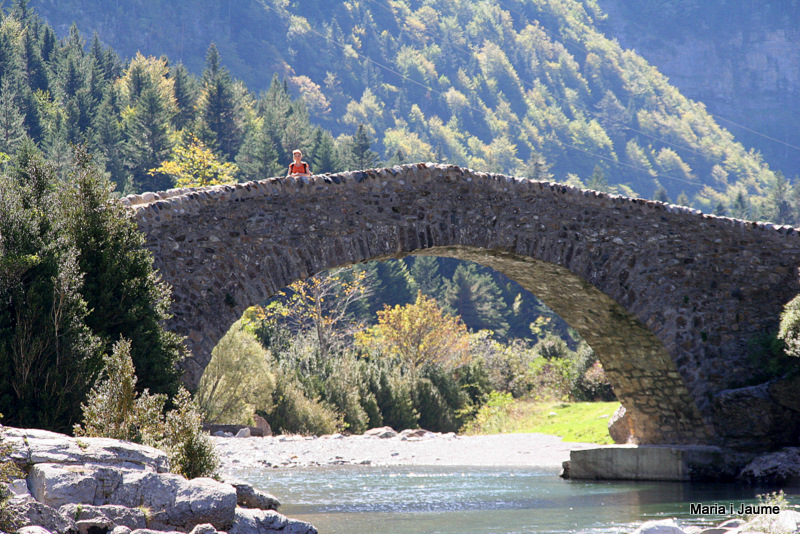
column 666, row 296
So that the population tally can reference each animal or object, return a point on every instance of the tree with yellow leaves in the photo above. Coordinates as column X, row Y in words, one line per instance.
column 194, row 165
column 323, row 303
column 419, row 333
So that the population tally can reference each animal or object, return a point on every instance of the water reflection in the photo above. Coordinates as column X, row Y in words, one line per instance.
column 480, row 500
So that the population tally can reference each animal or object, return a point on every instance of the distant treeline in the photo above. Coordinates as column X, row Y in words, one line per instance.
column 528, row 88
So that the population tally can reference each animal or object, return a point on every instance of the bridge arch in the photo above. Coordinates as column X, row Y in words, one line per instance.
column 666, row 296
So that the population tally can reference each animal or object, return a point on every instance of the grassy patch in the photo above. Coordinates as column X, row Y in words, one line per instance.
column 578, row 421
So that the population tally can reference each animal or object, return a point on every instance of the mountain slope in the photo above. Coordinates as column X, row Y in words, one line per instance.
column 514, row 86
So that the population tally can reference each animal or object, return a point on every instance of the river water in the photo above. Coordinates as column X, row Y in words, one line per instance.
column 482, row 500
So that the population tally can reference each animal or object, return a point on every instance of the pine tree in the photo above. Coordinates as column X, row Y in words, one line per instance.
column 477, row 299
column 425, row 272
column 149, row 143
column 12, row 123
column 216, row 107
column 361, row 154
column 323, row 153
column 185, row 88
column 258, row 157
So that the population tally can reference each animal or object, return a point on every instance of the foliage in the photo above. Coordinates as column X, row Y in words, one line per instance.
column 790, row 327
column 47, row 351
column 487, row 85
column 115, row 410
column 418, row 334
column 238, row 379
column 323, row 304
column 194, row 165
column 191, row 452
column 768, row 523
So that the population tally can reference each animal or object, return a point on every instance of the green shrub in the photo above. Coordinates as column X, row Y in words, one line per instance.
column 114, row 410
column 294, row 413
column 238, row 380
column 790, row 327
column 191, row 452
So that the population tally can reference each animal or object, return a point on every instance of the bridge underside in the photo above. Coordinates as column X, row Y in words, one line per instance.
column 644, row 377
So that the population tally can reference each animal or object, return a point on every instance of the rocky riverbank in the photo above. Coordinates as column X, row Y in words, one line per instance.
column 385, row 447
column 100, row 485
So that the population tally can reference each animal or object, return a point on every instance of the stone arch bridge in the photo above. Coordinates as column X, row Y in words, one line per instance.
column 667, row 297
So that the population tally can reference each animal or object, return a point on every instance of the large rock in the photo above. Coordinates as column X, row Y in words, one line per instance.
column 89, row 518
column 33, row 513
column 620, row 426
column 786, row 392
column 250, row 497
column 780, row 467
column 749, row 418
column 249, row 521
column 40, row 446
column 59, row 484
column 173, row 501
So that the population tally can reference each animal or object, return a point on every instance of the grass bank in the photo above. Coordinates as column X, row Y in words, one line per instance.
column 573, row 421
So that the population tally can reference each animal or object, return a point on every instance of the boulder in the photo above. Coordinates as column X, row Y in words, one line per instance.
column 106, row 517
column 59, row 484
column 33, row 446
column 263, row 425
column 786, row 392
column 382, row 432
column 249, row 521
column 774, row 468
column 748, row 418
column 250, row 497
column 31, row 512
column 620, row 426
column 243, row 433
column 662, row 526
column 175, row 503
column 205, row 528
column 33, row 529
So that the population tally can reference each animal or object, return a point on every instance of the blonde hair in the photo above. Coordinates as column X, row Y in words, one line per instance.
column 296, row 151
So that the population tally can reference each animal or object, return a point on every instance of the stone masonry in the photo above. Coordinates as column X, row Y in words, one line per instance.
column 667, row 297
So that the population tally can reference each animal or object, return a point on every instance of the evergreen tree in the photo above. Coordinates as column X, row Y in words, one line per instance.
column 185, row 89
column 323, row 153
column 149, row 143
column 12, row 123
column 425, row 272
column 477, row 299
column 216, row 107
column 740, row 209
column 258, row 157
column 361, row 155
column 117, row 268
column 660, row 193
column 778, row 208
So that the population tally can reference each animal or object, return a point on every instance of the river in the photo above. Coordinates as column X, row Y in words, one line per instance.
column 483, row 500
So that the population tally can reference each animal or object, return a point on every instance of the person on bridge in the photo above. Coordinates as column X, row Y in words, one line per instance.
column 298, row 167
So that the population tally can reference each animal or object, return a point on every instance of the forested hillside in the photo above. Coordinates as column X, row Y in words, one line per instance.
column 532, row 88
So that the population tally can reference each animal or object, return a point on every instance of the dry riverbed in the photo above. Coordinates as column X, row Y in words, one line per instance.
column 428, row 448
